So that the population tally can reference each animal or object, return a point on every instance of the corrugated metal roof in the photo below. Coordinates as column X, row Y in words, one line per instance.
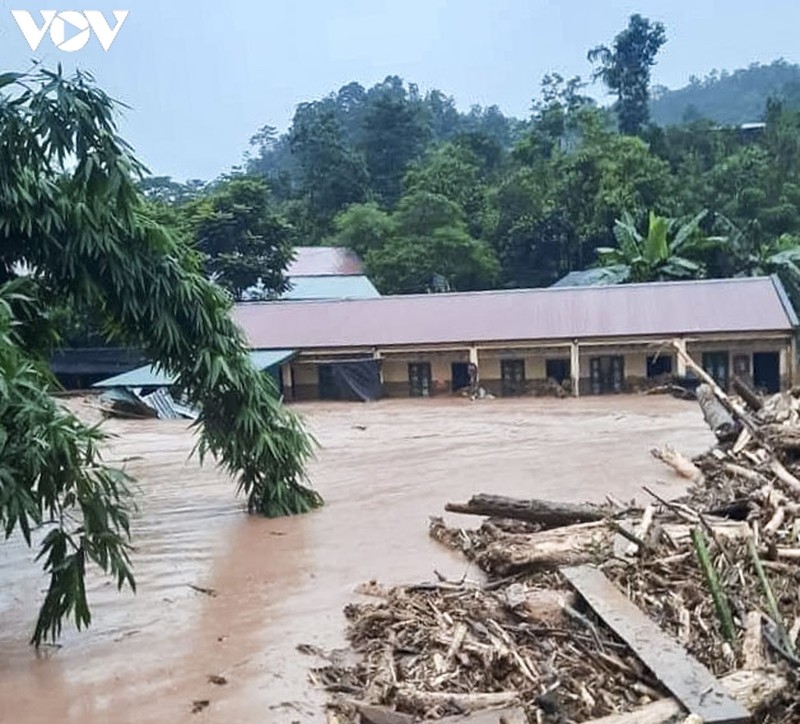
column 324, row 261
column 587, row 278
column 148, row 376
column 660, row 309
column 329, row 287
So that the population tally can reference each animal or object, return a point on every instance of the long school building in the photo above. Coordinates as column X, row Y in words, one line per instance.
column 592, row 340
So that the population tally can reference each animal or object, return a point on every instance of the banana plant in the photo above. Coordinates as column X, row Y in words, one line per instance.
column 663, row 252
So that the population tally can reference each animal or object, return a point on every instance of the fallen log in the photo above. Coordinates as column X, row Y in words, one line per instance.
column 549, row 549
column 716, row 416
column 514, row 715
column 751, row 399
column 680, row 464
column 414, row 699
column 751, row 689
column 382, row 715
column 547, row 513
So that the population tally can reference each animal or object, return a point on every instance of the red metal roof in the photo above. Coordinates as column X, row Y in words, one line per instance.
column 727, row 305
column 312, row 261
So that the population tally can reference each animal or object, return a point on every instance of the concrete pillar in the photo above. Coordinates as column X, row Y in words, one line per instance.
column 680, row 362
column 376, row 354
column 473, row 355
column 792, row 371
column 575, row 368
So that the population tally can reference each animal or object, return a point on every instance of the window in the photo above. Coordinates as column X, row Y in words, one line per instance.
column 658, row 365
column 512, row 376
column 419, row 379
column 557, row 369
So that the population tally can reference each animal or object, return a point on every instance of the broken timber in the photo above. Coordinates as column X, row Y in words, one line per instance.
column 545, row 512
column 686, row 678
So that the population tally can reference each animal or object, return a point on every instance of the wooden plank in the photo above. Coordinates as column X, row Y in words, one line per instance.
column 686, row 678
column 751, row 688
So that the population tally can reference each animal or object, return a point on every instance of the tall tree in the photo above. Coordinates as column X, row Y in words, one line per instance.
column 396, row 131
column 625, row 69
column 431, row 250
column 243, row 238
column 333, row 175
column 72, row 216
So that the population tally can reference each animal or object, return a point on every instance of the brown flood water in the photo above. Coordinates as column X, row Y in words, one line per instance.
column 383, row 469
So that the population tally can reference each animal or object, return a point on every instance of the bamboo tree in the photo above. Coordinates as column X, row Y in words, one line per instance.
column 72, row 215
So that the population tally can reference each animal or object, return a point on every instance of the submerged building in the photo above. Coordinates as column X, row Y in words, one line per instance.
column 593, row 340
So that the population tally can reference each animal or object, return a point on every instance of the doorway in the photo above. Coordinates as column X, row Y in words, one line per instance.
column 767, row 372
column 328, row 389
column 608, row 374
column 512, row 377
column 459, row 375
column 557, row 369
column 658, row 365
column 716, row 364
column 419, row 379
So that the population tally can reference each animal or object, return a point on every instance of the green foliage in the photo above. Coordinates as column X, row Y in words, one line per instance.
column 625, row 69
column 52, row 483
column 244, row 240
column 70, row 210
column 663, row 253
column 362, row 228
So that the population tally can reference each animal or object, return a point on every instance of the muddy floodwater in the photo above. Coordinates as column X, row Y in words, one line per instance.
column 270, row 585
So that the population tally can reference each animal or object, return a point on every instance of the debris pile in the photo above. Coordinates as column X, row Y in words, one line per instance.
column 133, row 403
column 551, row 635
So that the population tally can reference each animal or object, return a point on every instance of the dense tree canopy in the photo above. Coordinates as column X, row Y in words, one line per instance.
column 412, row 183
column 76, row 231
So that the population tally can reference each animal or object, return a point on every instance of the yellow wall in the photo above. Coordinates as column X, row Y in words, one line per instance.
column 395, row 367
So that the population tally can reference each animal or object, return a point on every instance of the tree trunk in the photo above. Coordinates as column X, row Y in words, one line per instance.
column 569, row 545
column 680, row 464
column 752, row 400
column 411, row 698
column 715, row 414
column 547, row 513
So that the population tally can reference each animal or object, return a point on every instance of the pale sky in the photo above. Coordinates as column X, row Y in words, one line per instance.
column 202, row 76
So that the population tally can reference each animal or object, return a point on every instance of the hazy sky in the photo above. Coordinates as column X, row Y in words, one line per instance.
column 202, row 76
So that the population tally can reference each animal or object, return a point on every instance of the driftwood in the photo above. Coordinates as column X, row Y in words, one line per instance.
column 680, row 464
column 751, row 689
column 716, row 416
column 514, row 715
column 474, row 701
column 752, row 400
column 550, row 549
column 547, row 513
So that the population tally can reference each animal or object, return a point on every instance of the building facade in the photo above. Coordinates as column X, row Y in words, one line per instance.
column 586, row 340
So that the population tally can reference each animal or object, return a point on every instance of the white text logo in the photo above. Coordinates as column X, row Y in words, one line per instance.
column 81, row 26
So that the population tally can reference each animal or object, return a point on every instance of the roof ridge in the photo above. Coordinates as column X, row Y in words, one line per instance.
column 604, row 288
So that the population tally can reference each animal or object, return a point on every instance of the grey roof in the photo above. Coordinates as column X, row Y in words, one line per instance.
column 331, row 287
column 587, row 278
column 149, row 376
column 656, row 309
column 324, row 261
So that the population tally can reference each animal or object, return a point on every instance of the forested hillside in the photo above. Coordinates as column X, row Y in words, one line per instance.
column 438, row 200
column 729, row 98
